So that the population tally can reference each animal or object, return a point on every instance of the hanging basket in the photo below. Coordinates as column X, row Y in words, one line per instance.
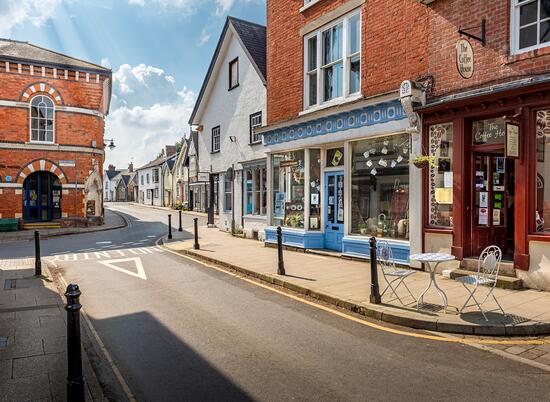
column 421, row 164
column 425, row 162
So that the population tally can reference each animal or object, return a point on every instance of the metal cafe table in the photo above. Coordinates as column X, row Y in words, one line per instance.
column 431, row 261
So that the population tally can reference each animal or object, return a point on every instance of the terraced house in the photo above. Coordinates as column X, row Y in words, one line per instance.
column 52, row 109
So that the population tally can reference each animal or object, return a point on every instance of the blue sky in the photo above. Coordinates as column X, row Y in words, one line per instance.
column 159, row 51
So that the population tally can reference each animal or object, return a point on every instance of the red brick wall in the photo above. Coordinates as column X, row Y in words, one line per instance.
column 493, row 63
column 75, row 129
column 393, row 37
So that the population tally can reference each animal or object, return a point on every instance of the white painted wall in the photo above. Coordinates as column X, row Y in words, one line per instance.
column 146, row 188
column 231, row 111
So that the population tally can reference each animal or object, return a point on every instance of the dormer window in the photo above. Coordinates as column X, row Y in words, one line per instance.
column 530, row 25
column 333, row 62
column 42, row 119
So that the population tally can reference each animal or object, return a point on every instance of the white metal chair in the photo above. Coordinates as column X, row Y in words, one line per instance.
column 393, row 276
column 488, row 266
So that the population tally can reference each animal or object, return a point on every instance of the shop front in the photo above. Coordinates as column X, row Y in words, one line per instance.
column 488, row 185
column 336, row 181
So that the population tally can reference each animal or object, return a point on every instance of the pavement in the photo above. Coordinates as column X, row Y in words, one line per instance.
column 33, row 358
column 346, row 283
column 176, row 328
column 112, row 221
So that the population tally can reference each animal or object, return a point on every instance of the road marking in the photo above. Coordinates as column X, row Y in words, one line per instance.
column 125, row 387
column 104, row 254
column 139, row 266
column 364, row 322
column 103, row 242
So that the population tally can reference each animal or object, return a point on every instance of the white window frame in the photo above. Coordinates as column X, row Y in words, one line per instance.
column 255, row 189
column 227, row 191
column 30, row 121
column 346, row 57
column 216, row 135
column 254, row 137
column 514, row 27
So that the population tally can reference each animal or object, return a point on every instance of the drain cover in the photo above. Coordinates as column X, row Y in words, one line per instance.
column 3, row 342
column 9, row 284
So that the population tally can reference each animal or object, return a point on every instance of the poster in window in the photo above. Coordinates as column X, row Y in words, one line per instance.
column 444, row 149
column 496, row 217
column 512, row 140
column 314, row 199
column 280, row 204
column 483, row 216
column 483, row 199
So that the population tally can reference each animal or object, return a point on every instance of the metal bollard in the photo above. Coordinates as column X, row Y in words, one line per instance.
column 169, row 226
column 281, row 267
column 180, row 229
column 196, row 246
column 37, row 258
column 374, row 289
column 75, row 380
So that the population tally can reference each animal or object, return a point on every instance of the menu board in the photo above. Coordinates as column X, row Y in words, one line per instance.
column 512, row 140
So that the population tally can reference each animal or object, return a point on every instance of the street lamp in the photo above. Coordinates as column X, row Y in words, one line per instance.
column 111, row 144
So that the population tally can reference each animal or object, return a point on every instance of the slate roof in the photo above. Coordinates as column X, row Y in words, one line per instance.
column 153, row 163
column 25, row 51
column 254, row 39
column 112, row 173
column 170, row 162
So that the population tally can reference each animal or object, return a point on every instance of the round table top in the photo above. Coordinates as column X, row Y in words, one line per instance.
column 432, row 257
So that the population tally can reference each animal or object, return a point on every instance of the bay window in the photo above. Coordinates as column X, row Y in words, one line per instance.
column 332, row 65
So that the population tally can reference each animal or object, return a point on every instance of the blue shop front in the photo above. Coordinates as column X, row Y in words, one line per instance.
column 337, row 179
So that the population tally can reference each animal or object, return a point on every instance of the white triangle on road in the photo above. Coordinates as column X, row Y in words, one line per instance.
column 137, row 260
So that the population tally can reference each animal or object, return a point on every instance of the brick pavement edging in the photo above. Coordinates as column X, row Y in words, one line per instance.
column 384, row 312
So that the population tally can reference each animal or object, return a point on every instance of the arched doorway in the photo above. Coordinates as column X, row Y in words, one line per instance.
column 41, row 197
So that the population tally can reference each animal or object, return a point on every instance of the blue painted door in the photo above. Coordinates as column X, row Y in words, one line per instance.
column 334, row 215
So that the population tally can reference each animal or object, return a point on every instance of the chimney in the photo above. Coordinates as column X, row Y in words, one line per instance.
column 112, row 168
column 131, row 167
column 169, row 150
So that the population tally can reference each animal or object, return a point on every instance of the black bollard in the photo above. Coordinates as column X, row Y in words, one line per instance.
column 180, row 229
column 37, row 260
column 75, row 380
column 281, row 267
column 196, row 246
column 374, row 289
column 169, row 226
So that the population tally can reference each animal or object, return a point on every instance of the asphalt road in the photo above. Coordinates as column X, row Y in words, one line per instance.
column 178, row 330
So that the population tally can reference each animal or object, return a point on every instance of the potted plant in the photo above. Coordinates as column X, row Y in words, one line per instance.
column 423, row 161
column 295, row 220
column 363, row 228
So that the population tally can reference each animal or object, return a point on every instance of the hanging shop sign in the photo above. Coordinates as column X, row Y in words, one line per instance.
column 512, row 140
column 465, row 59
column 203, row 177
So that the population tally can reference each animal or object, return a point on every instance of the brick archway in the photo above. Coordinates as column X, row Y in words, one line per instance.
column 41, row 165
column 37, row 88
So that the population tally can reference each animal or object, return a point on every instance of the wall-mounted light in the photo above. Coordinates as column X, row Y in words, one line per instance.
column 232, row 138
column 111, row 144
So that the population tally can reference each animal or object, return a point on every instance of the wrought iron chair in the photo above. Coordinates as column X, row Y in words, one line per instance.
column 488, row 266
column 393, row 276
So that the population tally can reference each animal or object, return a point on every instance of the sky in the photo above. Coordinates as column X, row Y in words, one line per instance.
column 158, row 50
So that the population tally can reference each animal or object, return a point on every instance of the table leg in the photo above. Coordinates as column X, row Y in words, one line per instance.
column 438, row 289
column 421, row 298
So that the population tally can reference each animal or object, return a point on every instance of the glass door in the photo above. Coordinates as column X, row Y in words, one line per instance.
column 334, row 218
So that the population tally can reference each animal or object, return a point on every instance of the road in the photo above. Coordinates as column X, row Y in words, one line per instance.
column 179, row 330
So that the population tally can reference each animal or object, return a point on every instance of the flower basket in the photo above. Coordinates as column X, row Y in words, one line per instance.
column 424, row 161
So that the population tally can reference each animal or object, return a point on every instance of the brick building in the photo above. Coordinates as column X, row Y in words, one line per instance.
column 53, row 111
column 487, row 120
column 337, row 132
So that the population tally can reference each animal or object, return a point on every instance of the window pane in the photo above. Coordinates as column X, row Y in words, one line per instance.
column 490, row 131
column 315, row 189
column 528, row 36
column 312, row 89
column 441, row 177
column 257, row 198
column 288, row 189
column 248, row 191
column 528, row 13
column 542, row 215
column 544, row 10
column 354, row 77
column 312, row 53
column 332, row 44
column 380, row 187
column 354, row 34
column 545, row 31
column 333, row 81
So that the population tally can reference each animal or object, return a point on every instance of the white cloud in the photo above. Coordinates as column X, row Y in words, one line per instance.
column 148, row 112
column 17, row 12
column 204, row 37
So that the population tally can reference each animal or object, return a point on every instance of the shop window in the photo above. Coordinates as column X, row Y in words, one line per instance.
column 288, row 189
column 380, row 187
column 315, row 189
column 42, row 119
column 530, row 24
column 255, row 187
column 332, row 70
column 228, row 193
column 488, row 132
column 335, row 157
column 441, row 176
column 543, row 172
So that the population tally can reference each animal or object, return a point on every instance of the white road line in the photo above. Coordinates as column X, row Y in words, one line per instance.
column 137, row 261
column 103, row 242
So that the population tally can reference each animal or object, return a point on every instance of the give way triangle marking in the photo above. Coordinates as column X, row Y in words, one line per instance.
column 137, row 260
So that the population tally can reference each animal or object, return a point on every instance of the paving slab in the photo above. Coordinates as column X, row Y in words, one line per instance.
column 346, row 283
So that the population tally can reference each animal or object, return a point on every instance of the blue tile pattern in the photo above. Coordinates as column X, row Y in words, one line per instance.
column 366, row 116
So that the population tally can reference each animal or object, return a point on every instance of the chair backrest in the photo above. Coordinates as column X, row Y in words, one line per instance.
column 489, row 262
column 385, row 255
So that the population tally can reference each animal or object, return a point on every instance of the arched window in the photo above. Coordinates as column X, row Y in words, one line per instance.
column 42, row 119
